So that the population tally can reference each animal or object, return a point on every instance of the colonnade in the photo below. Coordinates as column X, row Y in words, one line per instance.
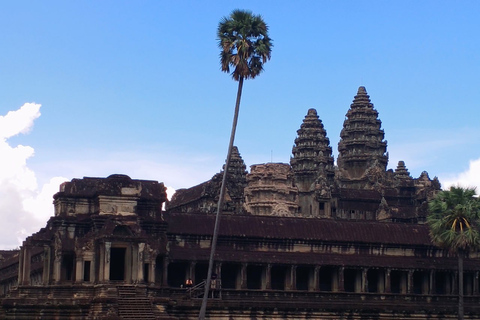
column 323, row 278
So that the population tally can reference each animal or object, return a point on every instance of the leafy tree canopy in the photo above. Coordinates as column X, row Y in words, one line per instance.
column 454, row 219
column 244, row 43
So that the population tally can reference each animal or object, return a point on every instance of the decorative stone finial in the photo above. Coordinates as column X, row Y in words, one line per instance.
column 401, row 171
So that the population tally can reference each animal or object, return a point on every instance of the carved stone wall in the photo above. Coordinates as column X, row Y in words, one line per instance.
column 271, row 191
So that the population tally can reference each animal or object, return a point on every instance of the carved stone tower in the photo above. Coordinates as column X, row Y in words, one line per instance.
column 362, row 157
column 236, row 180
column 270, row 190
column 312, row 164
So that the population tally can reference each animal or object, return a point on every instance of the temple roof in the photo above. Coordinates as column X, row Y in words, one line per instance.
column 300, row 228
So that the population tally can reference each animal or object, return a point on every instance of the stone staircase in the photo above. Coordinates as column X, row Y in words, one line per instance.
column 133, row 304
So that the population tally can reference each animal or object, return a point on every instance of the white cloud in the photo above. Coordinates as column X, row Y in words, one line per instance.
column 468, row 178
column 19, row 121
column 23, row 207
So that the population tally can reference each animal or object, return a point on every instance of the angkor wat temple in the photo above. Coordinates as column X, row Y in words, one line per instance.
column 307, row 240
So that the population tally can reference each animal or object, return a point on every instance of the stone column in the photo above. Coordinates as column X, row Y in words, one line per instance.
column 191, row 273
column 363, row 280
column 340, row 285
column 131, row 267
column 93, row 269
column 218, row 270
column 27, row 262
column 316, row 280
column 57, row 264
column 410, row 281
column 268, row 274
column 243, row 276
column 20, row 268
column 140, row 262
column 78, row 268
column 106, row 263
column 101, row 263
column 292, row 284
column 46, row 265
column 388, row 281
column 151, row 272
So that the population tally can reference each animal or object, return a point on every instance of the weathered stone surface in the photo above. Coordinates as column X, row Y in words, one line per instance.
column 270, row 190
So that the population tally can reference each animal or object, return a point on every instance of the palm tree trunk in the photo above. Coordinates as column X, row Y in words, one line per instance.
column 203, row 308
column 460, row 285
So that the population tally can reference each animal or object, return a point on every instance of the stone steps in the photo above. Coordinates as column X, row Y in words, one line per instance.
column 133, row 304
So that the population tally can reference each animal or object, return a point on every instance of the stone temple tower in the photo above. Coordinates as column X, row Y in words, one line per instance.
column 312, row 164
column 362, row 157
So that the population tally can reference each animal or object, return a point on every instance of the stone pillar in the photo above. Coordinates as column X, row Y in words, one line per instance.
column 191, row 272
column 93, row 269
column 165, row 272
column 106, row 263
column 388, row 281
column 20, row 268
column 46, row 264
column 27, row 262
column 264, row 279
column 101, row 263
column 140, row 262
column 217, row 268
column 79, row 268
column 131, row 267
column 410, row 281
column 363, row 280
column 292, row 283
column 151, row 272
column 316, row 279
column 243, row 276
column 340, row 285
column 57, row 264
column 268, row 276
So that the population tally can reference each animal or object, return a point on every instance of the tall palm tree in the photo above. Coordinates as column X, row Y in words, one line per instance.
column 454, row 221
column 245, row 47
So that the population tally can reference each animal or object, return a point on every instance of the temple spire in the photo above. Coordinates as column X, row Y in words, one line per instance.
column 362, row 147
column 312, row 164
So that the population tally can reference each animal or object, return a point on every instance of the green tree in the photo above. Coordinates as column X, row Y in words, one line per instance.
column 454, row 218
column 245, row 46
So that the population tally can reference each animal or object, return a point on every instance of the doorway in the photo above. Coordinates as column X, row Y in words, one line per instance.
column 117, row 264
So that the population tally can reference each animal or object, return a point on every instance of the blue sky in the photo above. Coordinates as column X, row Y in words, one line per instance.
column 135, row 87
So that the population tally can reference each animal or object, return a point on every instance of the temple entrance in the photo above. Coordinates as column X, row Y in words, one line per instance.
column 67, row 266
column 117, row 264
